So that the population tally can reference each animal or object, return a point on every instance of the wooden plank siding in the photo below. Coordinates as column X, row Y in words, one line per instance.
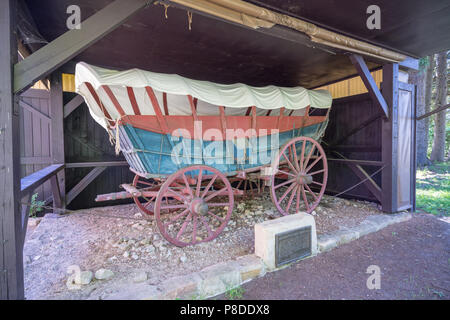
column 86, row 141
column 347, row 114
column 352, row 86
column 35, row 150
column 344, row 88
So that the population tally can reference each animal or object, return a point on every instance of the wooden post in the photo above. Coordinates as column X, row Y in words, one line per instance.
column 389, row 141
column 57, row 133
column 11, row 255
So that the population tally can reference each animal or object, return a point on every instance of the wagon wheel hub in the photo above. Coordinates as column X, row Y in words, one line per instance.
column 304, row 178
column 199, row 206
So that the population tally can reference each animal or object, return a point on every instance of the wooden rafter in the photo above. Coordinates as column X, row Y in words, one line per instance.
column 65, row 47
column 70, row 106
column 80, row 186
column 369, row 82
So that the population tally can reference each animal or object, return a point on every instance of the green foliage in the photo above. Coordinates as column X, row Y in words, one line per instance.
column 235, row 293
column 36, row 205
column 433, row 189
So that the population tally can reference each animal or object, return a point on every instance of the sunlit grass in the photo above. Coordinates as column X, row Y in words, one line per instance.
column 433, row 189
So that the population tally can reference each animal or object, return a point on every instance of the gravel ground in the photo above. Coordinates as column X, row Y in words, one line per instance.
column 413, row 256
column 120, row 239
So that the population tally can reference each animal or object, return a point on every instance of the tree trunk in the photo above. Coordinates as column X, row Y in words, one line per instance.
column 418, row 78
column 438, row 150
column 428, row 99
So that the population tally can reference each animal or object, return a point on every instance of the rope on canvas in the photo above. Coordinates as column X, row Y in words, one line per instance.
column 189, row 14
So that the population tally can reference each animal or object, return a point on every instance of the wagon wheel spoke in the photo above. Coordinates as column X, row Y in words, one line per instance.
column 183, row 227
column 208, row 228
column 218, row 218
column 297, row 205
column 286, row 173
column 177, row 217
column 209, row 186
column 199, row 183
column 294, row 151
column 223, row 204
column 304, row 198
column 311, row 192
column 312, row 164
column 291, row 198
column 284, row 183
column 318, row 183
column 289, row 163
column 309, row 156
column 302, row 155
column 176, row 194
column 194, row 229
column 188, row 187
column 144, row 204
column 251, row 187
column 316, row 172
column 286, row 192
column 214, row 194
column 149, row 202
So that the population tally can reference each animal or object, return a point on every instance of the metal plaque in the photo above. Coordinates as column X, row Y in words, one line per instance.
column 292, row 245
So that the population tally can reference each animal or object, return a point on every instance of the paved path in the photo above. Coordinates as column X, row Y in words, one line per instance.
column 414, row 258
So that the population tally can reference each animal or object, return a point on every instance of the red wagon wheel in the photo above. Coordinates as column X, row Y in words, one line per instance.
column 189, row 209
column 300, row 167
column 145, row 204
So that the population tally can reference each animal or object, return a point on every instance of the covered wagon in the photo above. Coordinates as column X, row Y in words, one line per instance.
column 195, row 145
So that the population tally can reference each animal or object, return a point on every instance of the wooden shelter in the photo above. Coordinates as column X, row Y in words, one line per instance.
column 370, row 139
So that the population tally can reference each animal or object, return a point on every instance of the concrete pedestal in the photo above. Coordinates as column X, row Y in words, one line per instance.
column 266, row 232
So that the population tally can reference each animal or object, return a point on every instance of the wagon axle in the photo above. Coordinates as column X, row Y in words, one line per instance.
column 303, row 178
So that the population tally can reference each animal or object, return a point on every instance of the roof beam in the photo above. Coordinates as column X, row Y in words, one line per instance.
column 369, row 82
column 72, row 105
column 409, row 63
column 65, row 47
column 75, row 191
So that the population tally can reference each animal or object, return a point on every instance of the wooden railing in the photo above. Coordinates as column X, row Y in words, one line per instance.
column 29, row 183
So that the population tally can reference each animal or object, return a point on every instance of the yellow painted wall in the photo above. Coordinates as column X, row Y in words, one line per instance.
column 352, row 86
column 68, row 81
column 339, row 89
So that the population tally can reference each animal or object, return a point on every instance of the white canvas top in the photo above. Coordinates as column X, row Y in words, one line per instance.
column 209, row 94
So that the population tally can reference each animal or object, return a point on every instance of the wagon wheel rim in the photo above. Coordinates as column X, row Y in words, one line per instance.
column 303, row 172
column 144, row 204
column 197, row 212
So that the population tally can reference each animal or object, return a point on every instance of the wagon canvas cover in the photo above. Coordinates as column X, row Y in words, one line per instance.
column 128, row 88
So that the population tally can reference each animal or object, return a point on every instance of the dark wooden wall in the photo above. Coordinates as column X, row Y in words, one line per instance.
column 84, row 141
column 87, row 141
column 35, row 136
column 348, row 114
